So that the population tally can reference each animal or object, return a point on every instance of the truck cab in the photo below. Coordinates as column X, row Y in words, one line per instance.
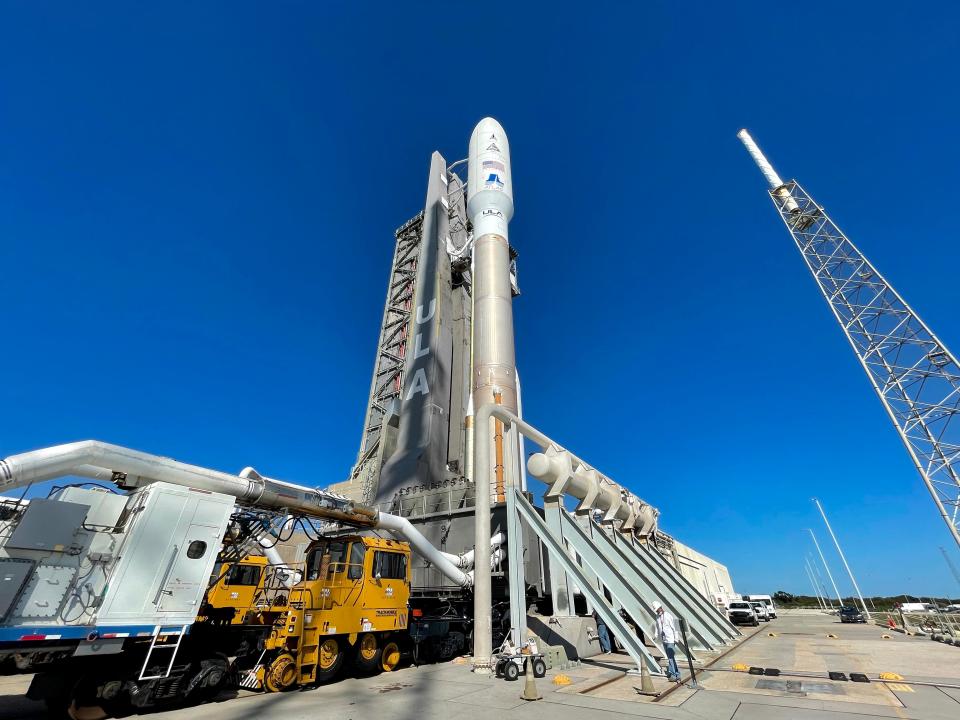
column 351, row 605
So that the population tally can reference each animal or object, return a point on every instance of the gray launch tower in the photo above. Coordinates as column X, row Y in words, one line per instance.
column 422, row 368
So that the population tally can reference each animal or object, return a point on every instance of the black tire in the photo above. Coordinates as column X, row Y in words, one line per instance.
column 539, row 668
column 367, row 652
column 510, row 671
column 756, row 623
column 330, row 659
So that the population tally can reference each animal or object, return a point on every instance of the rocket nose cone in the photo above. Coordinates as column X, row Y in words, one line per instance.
column 491, row 126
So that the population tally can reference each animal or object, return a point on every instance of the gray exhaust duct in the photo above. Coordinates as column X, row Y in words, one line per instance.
column 132, row 468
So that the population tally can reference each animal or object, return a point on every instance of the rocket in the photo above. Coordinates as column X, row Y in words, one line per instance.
column 490, row 207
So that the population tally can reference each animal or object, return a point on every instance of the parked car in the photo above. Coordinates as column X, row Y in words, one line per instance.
column 761, row 610
column 742, row 613
column 850, row 614
column 767, row 601
column 952, row 609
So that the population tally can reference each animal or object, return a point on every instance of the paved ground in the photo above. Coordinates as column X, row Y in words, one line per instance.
column 600, row 690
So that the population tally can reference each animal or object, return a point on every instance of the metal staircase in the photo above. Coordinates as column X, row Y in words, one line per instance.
column 618, row 585
column 601, row 558
column 695, row 606
column 652, row 579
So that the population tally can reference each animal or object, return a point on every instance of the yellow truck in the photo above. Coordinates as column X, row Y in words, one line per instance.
column 347, row 603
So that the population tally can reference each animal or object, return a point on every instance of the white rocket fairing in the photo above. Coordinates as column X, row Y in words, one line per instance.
column 489, row 181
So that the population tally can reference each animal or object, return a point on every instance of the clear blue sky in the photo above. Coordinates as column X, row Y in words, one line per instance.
column 197, row 205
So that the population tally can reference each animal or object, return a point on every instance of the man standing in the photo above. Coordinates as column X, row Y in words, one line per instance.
column 668, row 634
column 602, row 633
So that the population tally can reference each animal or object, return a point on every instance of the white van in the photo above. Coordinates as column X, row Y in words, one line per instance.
column 767, row 601
column 918, row 607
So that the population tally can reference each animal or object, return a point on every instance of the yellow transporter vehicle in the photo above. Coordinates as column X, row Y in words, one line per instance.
column 350, row 604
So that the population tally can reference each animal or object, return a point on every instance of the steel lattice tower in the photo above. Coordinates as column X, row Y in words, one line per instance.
column 916, row 377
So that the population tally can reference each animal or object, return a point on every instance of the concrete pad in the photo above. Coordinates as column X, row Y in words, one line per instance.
column 953, row 693
column 450, row 690
column 869, row 694
column 482, row 698
column 929, row 702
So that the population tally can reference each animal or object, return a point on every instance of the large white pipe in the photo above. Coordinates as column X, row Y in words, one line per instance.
column 776, row 184
column 495, row 557
column 490, row 207
column 465, row 560
column 405, row 529
column 127, row 467
column 565, row 474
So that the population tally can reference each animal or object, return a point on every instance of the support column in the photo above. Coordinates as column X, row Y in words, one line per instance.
column 561, row 589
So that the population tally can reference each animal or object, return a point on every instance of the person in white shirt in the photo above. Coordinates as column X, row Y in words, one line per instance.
column 667, row 633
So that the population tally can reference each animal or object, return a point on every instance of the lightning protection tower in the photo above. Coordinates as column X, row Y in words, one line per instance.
column 913, row 372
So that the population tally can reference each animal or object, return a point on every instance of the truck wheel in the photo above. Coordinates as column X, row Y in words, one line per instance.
column 367, row 652
column 510, row 671
column 329, row 659
column 281, row 675
column 539, row 668
column 390, row 657
column 86, row 712
column 84, row 704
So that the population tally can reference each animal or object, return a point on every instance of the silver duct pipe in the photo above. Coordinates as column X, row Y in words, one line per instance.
column 131, row 468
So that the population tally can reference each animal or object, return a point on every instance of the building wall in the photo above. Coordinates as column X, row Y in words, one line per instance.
column 706, row 574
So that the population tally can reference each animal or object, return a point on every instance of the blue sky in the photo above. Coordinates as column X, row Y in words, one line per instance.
column 197, row 204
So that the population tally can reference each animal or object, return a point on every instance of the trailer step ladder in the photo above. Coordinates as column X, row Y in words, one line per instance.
column 174, row 647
